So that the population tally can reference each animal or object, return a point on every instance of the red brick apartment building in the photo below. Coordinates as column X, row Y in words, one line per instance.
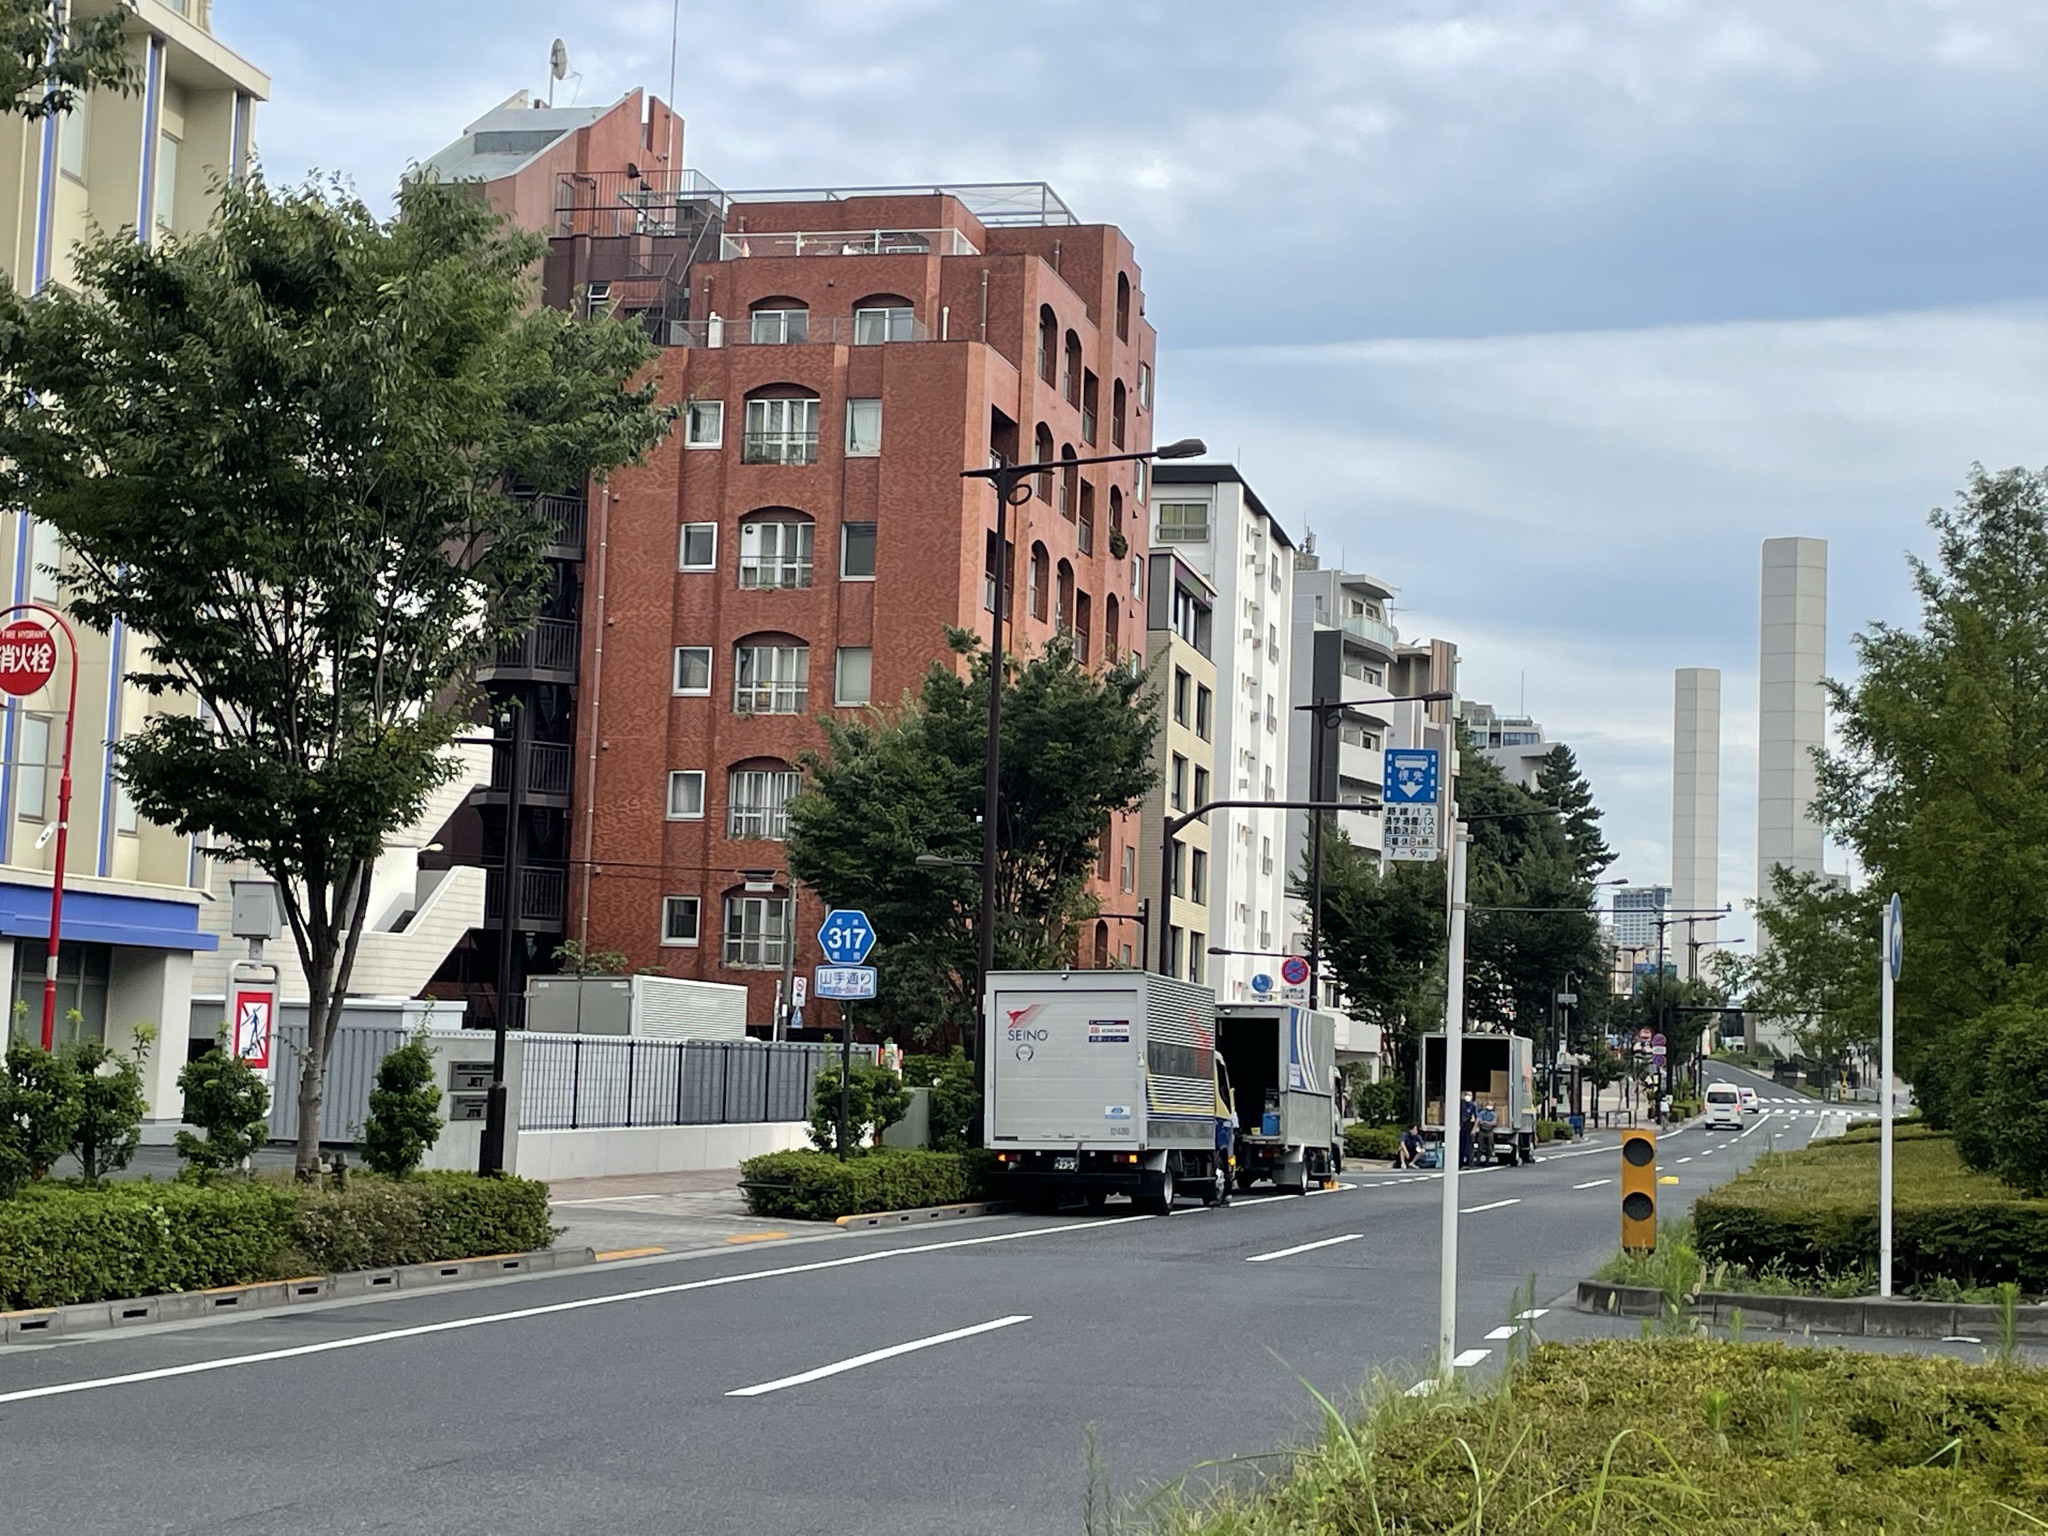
column 801, row 542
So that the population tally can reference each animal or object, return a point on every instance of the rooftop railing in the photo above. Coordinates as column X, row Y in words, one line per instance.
column 737, row 245
column 993, row 202
column 639, row 203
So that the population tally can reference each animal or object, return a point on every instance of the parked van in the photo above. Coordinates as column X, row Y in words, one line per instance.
column 1724, row 1107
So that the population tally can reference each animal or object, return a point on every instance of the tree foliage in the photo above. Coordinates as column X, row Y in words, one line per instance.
column 1817, row 970
column 226, row 1098
column 1941, row 789
column 1382, row 940
column 284, row 451
column 1559, row 783
column 48, row 63
column 39, row 1108
column 890, row 786
column 876, row 1099
column 111, row 1107
column 405, row 1110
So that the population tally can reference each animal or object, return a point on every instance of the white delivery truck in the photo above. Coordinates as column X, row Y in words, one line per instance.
column 1105, row 1082
column 1498, row 1070
column 1282, row 1062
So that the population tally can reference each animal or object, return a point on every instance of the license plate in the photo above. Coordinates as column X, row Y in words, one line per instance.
column 1065, row 1164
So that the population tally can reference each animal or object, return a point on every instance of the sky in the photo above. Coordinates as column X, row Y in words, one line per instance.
column 1547, row 312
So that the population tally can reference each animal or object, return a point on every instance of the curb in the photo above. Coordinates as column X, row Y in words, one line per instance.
column 922, row 1213
column 34, row 1325
column 1862, row 1316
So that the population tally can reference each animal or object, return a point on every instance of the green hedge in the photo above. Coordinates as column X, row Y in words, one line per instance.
column 1813, row 1214
column 816, row 1186
column 1369, row 1141
column 61, row 1243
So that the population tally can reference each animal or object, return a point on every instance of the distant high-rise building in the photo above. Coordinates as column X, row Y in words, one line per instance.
column 1638, row 915
column 1696, row 793
column 1180, row 625
column 1791, row 708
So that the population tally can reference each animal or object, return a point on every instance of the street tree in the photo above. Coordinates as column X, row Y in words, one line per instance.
column 49, row 58
column 284, row 452
column 1816, row 971
column 1382, row 940
column 896, row 784
column 1559, row 783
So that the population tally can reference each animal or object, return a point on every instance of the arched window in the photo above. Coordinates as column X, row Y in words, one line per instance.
column 771, row 675
column 1123, row 306
column 1101, row 946
column 1070, row 378
column 1112, row 613
column 1041, row 453
column 777, row 322
column 1039, row 578
column 884, row 317
column 1083, row 617
column 757, row 796
column 1070, row 484
column 1063, row 604
column 1116, row 510
column 1085, row 524
column 775, row 548
column 1048, row 342
column 782, row 426
column 1116, row 413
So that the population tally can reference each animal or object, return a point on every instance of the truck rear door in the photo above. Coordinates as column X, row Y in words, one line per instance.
column 1067, row 1068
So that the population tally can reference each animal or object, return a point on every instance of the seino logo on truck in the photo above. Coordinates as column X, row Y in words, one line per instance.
column 1021, row 1027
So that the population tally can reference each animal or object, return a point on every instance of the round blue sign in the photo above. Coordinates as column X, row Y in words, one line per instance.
column 1262, row 982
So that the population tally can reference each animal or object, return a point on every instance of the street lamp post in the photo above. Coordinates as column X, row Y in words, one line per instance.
column 1008, row 480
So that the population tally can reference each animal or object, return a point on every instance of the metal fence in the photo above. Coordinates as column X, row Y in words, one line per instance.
column 351, row 1074
column 584, row 1082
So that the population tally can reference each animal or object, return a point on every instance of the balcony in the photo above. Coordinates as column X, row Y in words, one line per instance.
column 550, row 773
column 543, row 899
column 609, row 204
column 564, row 516
column 546, row 653
column 1370, row 630
column 743, row 245
column 779, row 448
column 821, row 330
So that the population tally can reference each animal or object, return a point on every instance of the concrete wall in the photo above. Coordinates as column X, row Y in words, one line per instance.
column 1696, row 792
column 1792, row 713
column 652, row 1149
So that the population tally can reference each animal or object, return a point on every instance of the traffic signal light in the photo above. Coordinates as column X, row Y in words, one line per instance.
column 1639, row 1191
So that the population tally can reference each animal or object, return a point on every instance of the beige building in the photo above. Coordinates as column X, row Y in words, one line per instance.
column 1179, row 623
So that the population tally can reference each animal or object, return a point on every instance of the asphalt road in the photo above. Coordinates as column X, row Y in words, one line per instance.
column 945, row 1380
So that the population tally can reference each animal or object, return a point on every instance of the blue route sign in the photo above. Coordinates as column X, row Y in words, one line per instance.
column 1411, row 774
column 846, row 936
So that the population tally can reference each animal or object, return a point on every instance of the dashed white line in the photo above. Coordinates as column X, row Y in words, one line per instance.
column 1592, row 1184
column 1532, row 1314
column 1470, row 1357
column 1504, row 1331
column 1288, row 1253
column 1473, row 1210
column 874, row 1355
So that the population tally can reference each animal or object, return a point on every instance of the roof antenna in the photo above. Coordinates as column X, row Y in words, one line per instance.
column 558, row 67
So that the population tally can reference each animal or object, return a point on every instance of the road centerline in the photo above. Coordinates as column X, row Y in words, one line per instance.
column 874, row 1356
column 1473, row 1210
column 1288, row 1253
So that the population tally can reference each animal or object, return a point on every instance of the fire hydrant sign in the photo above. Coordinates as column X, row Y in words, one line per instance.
column 253, row 1013
column 28, row 657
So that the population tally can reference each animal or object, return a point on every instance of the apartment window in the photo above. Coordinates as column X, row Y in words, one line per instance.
column 1144, row 386
column 1172, row 951
column 1041, row 578
column 127, row 820
column 686, row 794
column 693, row 669
column 771, row 679
column 1083, row 612
column 857, row 552
column 777, row 327
column 71, row 139
column 1198, row 877
column 1205, row 703
column 32, row 763
column 863, row 428
column 1198, row 945
column 1141, row 480
column 1180, row 869
column 84, row 972
column 1272, row 640
column 1126, row 953
column 1180, row 782
column 757, row 802
column 699, row 547
column 1201, row 785
column 881, row 323
column 166, row 181
column 1123, row 306
column 1048, row 341
column 1181, row 684
column 46, row 557
column 781, row 430
column 755, row 931
column 704, row 424
column 1117, row 395
column 853, row 675
column 1128, row 881
column 679, row 919
column 1183, row 522
column 1265, row 855
column 775, row 553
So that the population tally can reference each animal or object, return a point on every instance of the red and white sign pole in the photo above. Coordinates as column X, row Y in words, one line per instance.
column 28, row 660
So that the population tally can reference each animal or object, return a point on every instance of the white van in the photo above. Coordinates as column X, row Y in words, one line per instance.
column 1724, row 1107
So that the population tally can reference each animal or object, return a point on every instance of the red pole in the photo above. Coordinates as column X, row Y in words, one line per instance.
column 63, row 821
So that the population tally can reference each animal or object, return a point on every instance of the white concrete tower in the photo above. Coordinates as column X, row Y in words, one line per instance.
column 1791, row 710
column 1696, row 794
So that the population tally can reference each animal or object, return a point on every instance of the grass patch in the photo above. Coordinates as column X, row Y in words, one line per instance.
column 1665, row 1435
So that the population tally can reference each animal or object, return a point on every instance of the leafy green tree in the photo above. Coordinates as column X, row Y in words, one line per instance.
column 1382, row 941
column 285, row 450
column 955, row 1107
column 2005, row 1126
column 577, row 958
column 1941, row 783
column 1559, row 783
column 1816, row 972
column 876, row 1099
column 226, row 1098
column 405, row 1110
column 39, row 1108
column 890, row 786
column 48, row 60
column 111, row 1107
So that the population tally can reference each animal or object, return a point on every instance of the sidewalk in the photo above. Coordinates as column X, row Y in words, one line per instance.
column 657, row 1212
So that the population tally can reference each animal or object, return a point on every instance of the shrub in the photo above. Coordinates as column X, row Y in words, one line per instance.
column 376, row 1222
column 110, row 1108
column 875, row 1100
column 38, row 1109
column 1366, row 1141
column 1553, row 1130
column 1382, row 1103
column 955, row 1106
column 226, row 1099
column 405, row 1110
column 816, row 1186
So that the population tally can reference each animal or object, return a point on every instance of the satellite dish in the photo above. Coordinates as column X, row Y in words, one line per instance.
column 558, row 59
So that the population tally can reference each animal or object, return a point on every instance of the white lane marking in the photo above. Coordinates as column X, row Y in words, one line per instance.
column 517, row 1314
column 874, row 1355
column 1288, row 1253
column 615, row 1199
column 1685, row 1159
column 1470, row 1357
column 1592, row 1184
column 1504, row 1331
column 1532, row 1314
column 1473, row 1210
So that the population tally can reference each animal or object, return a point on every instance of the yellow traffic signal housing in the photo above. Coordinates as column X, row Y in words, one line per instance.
column 1639, row 1191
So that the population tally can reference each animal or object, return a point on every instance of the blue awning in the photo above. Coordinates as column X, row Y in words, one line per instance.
column 95, row 917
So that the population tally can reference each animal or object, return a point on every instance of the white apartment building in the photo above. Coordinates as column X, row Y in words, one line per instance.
column 1214, row 521
column 1515, row 743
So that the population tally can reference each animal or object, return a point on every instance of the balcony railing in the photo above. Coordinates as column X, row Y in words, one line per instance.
column 739, row 245
column 564, row 516
column 1370, row 629
column 543, row 898
column 779, row 448
column 549, row 647
column 550, row 768
column 826, row 330
column 612, row 203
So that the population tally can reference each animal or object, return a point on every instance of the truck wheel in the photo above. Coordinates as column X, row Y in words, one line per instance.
column 1161, row 1203
column 1246, row 1178
column 1096, row 1198
column 1336, row 1157
column 1218, row 1192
